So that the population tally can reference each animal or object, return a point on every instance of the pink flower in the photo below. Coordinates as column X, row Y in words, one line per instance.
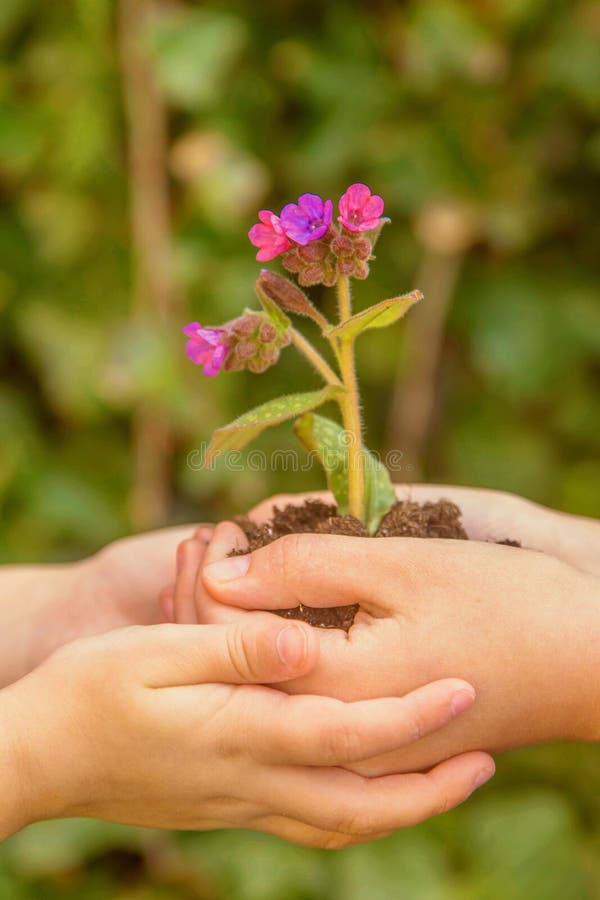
column 307, row 220
column 360, row 210
column 269, row 236
column 206, row 347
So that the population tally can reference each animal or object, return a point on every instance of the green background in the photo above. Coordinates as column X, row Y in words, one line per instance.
column 485, row 116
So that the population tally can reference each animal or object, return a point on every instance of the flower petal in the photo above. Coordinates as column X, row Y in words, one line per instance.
column 357, row 194
column 372, row 208
column 197, row 352
column 312, row 205
column 213, row 365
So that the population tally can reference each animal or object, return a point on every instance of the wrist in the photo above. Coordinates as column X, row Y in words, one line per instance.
column 36, row 772
column 35, row 615
column 593, row 679
column 585, row 718
column 15, row 813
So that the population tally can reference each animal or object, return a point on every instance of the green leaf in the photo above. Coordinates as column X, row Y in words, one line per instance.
column 385, row 313
column 275, row 314
column 249, row 425
column 328, row 441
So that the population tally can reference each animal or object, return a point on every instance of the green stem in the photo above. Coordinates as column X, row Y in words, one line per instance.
column 314, row 358
column 349, row 403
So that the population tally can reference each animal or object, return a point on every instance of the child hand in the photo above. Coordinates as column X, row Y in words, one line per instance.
column 169, row 726
column 521, row 626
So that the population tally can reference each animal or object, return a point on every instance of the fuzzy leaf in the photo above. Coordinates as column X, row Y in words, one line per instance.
column 249, row 425
column 275, row 314
column 327, row 440
column 385, row 313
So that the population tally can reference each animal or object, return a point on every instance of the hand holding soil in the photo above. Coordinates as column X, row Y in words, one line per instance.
column 521, row 625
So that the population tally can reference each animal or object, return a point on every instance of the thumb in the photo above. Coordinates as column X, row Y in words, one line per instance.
column 260, row 650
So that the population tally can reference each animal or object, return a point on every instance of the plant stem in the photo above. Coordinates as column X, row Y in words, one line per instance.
column 314, row 358
column 349, row 403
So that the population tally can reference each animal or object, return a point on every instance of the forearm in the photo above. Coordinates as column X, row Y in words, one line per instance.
column 30, row 599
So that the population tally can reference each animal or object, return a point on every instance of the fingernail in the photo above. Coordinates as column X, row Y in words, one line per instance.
column 462, row 700
column 291, row 646
column 483, row 776
column 228, row 569
column 204, row 534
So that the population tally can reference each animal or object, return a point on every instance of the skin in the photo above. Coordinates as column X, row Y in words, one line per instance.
column 522, row 626
column 219, row 748
column 43, row 607
column 493, row 516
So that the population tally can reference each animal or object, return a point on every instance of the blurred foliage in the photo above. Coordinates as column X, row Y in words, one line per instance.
column 491, row 108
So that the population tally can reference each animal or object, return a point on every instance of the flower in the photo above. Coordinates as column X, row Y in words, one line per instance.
column 269, row 236
column 254, row 342
column 206, row 347
column 360, row 210
column 307, row 220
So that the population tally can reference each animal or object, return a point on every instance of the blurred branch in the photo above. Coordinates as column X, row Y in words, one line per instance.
column 155, row 291
column 446, row 232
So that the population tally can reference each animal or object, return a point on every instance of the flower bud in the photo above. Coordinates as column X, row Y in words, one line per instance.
column 285, row 294
column 313, row 252
column 245, row 349
column 345, row 266
column 244, row 326
column 292, row 261
column 267, row 332
column 254, row 342
column 362, row 248
column 361, row 269
column 342, row 246
column 310, row 276
column 269, row 355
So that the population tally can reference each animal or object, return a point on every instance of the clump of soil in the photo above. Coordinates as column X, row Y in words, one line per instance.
column 406, row 518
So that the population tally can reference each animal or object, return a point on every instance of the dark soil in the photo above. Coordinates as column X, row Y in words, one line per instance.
column 405, row 519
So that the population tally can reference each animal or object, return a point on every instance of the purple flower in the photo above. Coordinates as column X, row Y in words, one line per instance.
column 360, row 209
column 206, row 347
column 308, row 220
column 269, row 236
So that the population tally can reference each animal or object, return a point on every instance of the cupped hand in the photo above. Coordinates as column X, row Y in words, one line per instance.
column 114, row 588
column 489, row 515
column 170, row 726
column 521, row 626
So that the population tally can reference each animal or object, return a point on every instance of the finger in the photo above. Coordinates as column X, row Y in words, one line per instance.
column 224, row 538
column 305, row 835
column 261, row 650
column 320, row 731
column 315, row 570
column 335, row 800
column 165, row 603
column 190, row 554
column 487, row 515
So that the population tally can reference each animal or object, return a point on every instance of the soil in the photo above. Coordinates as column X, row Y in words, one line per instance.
column 406, row 518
